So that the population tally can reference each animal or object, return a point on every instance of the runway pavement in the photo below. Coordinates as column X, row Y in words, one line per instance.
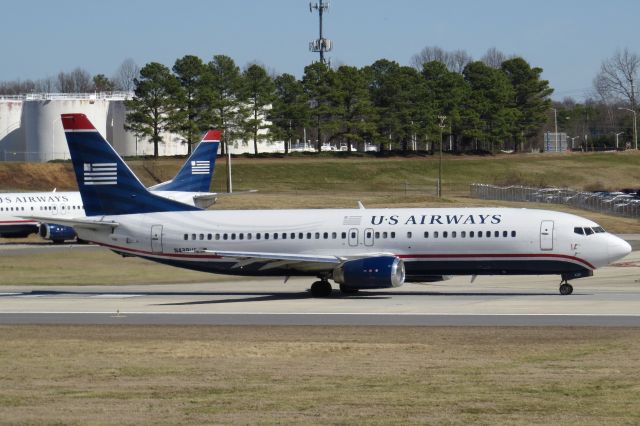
column 610, row 298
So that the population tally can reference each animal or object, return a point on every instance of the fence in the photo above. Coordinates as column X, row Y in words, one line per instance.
column 615, row 203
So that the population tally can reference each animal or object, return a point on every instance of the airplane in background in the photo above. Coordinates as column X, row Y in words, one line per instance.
column 191, row 186
column 356, row 248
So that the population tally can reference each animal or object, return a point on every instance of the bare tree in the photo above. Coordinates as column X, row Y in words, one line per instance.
column 76, row 81
column 494, row 58
column 126, row 74
column 458, row 60
column 454, row 61
column 617, row 77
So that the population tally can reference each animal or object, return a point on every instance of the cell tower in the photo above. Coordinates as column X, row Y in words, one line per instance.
column 321, row 44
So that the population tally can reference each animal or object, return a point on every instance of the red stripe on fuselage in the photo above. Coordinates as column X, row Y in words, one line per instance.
column 401, row 256
column 494, row 255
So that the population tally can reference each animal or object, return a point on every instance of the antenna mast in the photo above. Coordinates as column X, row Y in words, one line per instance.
column 321, row 44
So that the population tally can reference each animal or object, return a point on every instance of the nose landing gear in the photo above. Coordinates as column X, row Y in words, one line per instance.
column 565, row 288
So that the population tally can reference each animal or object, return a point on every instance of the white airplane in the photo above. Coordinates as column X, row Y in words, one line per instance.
column 190, row 186
column 357, row 248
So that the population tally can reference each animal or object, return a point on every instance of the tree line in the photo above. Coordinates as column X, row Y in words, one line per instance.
column 384, row 103
column 498, row 102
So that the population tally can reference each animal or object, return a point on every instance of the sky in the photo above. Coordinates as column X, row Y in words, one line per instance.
column 568, row 39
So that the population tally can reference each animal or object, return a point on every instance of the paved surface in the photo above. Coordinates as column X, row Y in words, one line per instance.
column 610, row 298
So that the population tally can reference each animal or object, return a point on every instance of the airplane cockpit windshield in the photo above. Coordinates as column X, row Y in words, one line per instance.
column 580, row 230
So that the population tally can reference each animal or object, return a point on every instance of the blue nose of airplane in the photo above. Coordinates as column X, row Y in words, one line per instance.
column 617, row 248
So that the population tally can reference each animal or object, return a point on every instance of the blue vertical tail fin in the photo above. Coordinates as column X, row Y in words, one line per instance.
column 107, row 185
column 196, row 173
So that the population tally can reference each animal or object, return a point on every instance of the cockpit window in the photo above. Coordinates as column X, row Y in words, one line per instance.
column 578, row 230
column 599, row 229
column 588, row 231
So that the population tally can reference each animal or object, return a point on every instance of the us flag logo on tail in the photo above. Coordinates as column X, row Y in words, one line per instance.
column 100, row 173
column 200, row 167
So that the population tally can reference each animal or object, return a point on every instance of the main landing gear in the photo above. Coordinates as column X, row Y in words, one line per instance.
column 565, row 288
column 321, row 288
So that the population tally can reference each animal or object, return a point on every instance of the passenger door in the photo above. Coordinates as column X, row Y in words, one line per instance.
column 368, row 237
column 546, row 235
column 353, row 237
column 156, row 238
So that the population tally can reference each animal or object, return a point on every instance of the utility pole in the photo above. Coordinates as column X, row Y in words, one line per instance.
column 442, row 125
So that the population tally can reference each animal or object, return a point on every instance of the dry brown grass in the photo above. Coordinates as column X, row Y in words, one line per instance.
column 313, row 375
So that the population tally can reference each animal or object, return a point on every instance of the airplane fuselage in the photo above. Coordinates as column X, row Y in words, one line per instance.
column 430, row 241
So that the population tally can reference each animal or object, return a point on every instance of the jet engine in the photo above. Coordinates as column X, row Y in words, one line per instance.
column 370, row 273
column 56, row 233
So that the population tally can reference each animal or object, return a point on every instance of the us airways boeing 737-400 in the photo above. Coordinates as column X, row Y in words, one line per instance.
column 191, row 185
column 356, row 248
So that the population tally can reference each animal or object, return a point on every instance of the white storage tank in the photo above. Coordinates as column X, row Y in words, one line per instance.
column 12, row 145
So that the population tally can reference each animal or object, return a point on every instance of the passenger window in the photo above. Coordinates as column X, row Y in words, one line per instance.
column 318, row 236
column 186, row 236
column 377, row 234
column 384, row 234
column 275, row 235
column 393, row 234
column 334, row 235
column 344, row 235
column 241, row 236
column 249, row 236
column 193, row 236
column 409, row 234
column 471, row 233
column 578, row 230
column 353, row 235
column 435, row 234
column 258, row 236
column 453, row 234
column 505, row 234
column 233, row 236
column 308, row 235
column 479, row 234
column 445, row 234
column 209, row 237
column 293, row 235
column 217, row 236
column 201, row 236
column 426, row 234
column 266, row 235
column 326, row 235
column 513, row 233
column 463, row 234
column 300, row 235
column 225, row 237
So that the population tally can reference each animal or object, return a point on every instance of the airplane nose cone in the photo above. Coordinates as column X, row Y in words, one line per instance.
column 618, row 248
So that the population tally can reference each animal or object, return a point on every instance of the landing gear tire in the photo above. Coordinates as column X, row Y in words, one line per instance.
column 321, row 289
column 566, row 289
column 348, row 290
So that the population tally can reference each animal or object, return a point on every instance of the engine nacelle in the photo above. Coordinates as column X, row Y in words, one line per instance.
column 370, row 273
column 56, row 233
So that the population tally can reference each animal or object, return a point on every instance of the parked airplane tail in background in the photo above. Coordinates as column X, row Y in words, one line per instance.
column 107, row 185
column 196, row 173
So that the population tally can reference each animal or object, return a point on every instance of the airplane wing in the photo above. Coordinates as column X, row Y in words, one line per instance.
column 306, row 262
column 76, row 223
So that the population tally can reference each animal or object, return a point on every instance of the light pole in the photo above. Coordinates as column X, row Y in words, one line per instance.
column 635, row 131
column 618, row 134
column 555, row 123
column 442, row 126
